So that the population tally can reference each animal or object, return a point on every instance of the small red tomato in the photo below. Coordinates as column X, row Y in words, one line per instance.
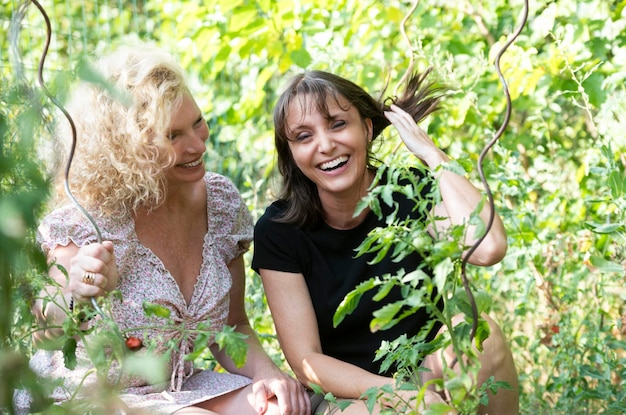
column 133, row 343
column 555, row 328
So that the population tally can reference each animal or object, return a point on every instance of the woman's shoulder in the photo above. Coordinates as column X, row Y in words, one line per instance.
column 220, row 186
column 225, row 205
column 216, row 180
column 274, row 211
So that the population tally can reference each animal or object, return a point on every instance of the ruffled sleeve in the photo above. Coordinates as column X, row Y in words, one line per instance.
column 64, row 226
column 230, row 221
column 67, row 225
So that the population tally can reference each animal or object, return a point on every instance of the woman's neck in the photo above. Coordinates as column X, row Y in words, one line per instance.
column 179, row 201
column 339, row 209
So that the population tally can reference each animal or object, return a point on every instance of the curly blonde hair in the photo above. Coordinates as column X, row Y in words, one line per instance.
column 122, row 147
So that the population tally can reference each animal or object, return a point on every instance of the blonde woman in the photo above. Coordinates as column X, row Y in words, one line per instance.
column 173, row 235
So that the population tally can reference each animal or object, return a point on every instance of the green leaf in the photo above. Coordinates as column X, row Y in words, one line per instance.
column 387, row 195
column 604, row 228
column 242, row 18
column 476, row 220
column 384, row 290
column 606, row 265
column 316, row 388
column 383, row 317
column 149, row 367
column 301, row 57
column 381, row 253
column 69, row 353
column 438, row 409
column 233, row 342
column 461, row 300
column 441, row 272
column 457, row 166
column 617, row 183
column 227, row 6
column 155, row 310
column 90, row 74
column 482, row 333
column 351, row 301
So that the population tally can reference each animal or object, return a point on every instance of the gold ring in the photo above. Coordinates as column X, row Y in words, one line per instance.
column 89, row 277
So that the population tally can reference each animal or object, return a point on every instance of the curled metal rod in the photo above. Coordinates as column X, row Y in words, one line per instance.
column 405, row 19
column 488, row 146
column 73, row 127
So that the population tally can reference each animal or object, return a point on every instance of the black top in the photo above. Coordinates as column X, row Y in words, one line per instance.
column 326, row 258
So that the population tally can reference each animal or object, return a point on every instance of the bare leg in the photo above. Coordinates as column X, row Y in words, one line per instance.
column 496, row 360
column 238, row 402
column 194, row 410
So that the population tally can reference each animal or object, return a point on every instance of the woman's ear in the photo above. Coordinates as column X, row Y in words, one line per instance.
column 370, row 129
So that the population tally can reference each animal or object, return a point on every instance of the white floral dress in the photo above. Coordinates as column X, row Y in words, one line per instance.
column 143, row 277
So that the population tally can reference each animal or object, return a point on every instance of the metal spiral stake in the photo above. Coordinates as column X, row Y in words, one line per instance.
column 483, row 154
column 73, row 127
column 490, row 144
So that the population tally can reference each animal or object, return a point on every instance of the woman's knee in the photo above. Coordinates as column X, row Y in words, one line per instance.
column 495, row 349
column 494, row 352
column 237, row 402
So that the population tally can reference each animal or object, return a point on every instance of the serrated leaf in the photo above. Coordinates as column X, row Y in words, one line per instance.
column 381, row 253
column 387, row 195
column 351, row 301
column 482, row 299
column 384, row 290
column 384, row 316
column 233, row 342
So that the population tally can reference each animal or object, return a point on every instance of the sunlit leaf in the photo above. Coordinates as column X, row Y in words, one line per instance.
column 156, row 310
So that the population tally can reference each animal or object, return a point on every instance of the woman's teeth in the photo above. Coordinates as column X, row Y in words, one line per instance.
column 333, row 164
column 192, row 164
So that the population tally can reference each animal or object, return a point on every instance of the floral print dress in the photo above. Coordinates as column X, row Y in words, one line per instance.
column 143, row 277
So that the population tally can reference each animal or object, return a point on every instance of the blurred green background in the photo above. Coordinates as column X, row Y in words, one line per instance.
column 557, row 173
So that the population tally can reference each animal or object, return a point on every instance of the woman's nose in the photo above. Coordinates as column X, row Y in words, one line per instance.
column 326, row 143
column 201, row 135
column 196, row 143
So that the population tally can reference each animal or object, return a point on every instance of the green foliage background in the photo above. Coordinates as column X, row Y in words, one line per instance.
column 557, row 173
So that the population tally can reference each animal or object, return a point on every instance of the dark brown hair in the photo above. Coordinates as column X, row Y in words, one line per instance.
column 303, row 204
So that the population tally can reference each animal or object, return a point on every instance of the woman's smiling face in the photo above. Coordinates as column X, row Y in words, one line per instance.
column 188, row 134
column 330, row 149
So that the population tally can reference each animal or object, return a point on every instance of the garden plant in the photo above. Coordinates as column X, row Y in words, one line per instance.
column 557, row 173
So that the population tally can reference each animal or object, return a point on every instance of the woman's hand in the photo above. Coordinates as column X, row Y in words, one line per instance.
column 93, row 271
column 97, row 259
column 292, row 397
column 415, row 139
column 459, row 197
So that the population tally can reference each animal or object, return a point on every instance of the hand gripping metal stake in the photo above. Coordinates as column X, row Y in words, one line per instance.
column 73, row 127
